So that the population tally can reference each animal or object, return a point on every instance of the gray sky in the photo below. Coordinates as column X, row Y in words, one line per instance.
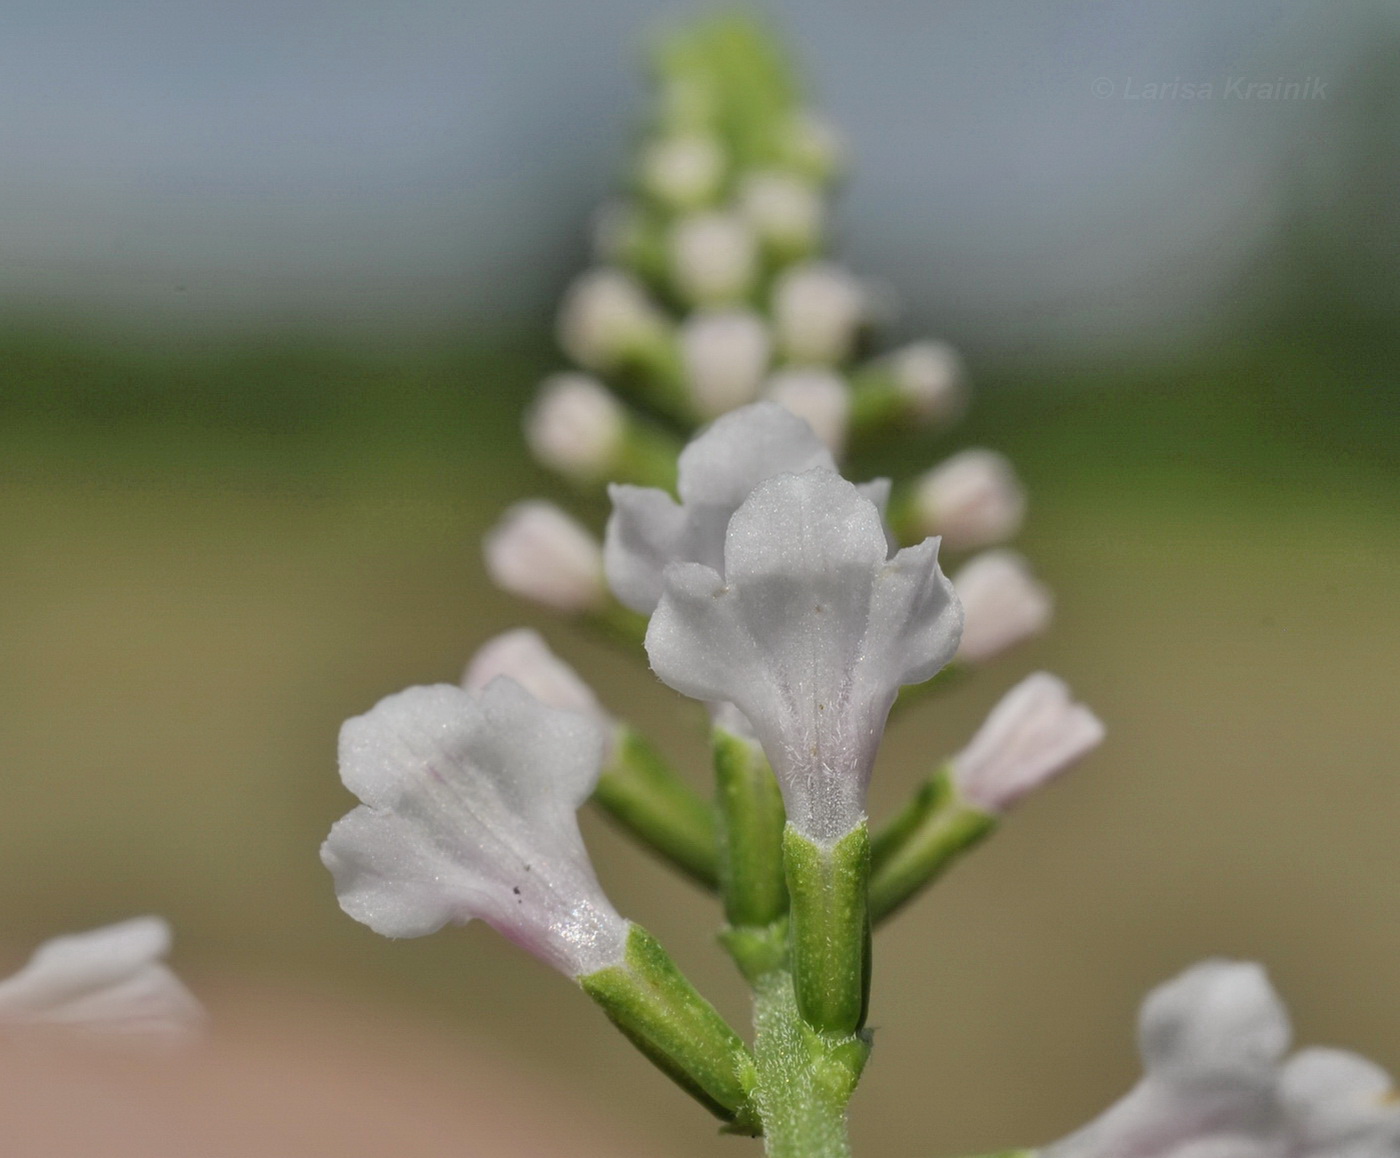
column 372, row 162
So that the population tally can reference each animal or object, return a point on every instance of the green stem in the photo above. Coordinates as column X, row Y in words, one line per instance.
column 641, row 792
column 804, row 1077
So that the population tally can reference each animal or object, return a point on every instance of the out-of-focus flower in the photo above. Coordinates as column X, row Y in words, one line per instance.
column 1033, row 734
column 784, row 210
column 683, row 171
column 818, row 308
column 576, row 426
column 819, row 397
column 470, row 812
column 1004, row 603
column 606, row 318
column 810, row 630
column 931, row 378
column 973, row 499
column 538, row 552
column 725, row 354
column 714, row 257
column 523, row 656
column 109, row 981
column 1212, row 1040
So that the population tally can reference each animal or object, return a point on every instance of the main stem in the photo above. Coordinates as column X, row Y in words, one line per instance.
column 805, row 1077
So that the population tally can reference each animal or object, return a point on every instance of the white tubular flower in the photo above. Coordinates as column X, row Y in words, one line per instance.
column 606, row 314
column 819, row 397
column 973, row 499
column 810, row 630
column 683, row 171
column 470, row 802
column 725, row 354
column 1033, row 734
column 523, row 656
column 818, row 307
column 110, row 981
column 538, row 552
column 1340, row 1104
column 930, row 377
column 785, row 211
column 1004, row 603
column 714, row 257
column 576, row 426
column 649, row 530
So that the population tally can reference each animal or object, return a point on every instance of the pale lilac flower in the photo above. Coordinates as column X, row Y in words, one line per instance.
column 1212, row 1042
column 818, row 307
column 714, row 257
column 725, row 354
column 538, row 552
column 109, row 981
column 1005, row 604
column 576, row 426
column 470, row 812
column 974, row 499
column 1034, row 733
column 523, row 655
column 684, row 170
column 605, row 316
column 819, row 397
column 784, row 210
column 809, row 630
column 649, row 530
column 930, row 378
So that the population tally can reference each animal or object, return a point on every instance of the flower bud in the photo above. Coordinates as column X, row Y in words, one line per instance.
column 1003, row 602
column 785, row 211
column 683, row 171
column 817, row 309
column 1031, row 736
column 524, row 656
column 714, row 257
column 725, row 354
column 819, row 397
column 606, row 316
column 973, row 499
column 929, row 376
column 576, row 427
column 538, row 552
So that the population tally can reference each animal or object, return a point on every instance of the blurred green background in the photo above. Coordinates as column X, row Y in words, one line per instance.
column 217, row 544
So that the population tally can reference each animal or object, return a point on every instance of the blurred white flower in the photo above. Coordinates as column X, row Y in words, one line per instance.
column 931, row 379
column 1004, row 603
column 785, row 211
column 524, row 656
column 109, row 981
column 714, row 257
column 818, row 308
column 576, row 426
column 973, row 499
column 725, row 354
column 1034, row 733
column 819, row 397
column 605, row 316
column 809, row 630
column 538, row 552
column 470, row 812
column 684, row 170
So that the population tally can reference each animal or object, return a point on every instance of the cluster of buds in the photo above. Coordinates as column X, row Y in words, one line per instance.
column 720, row 381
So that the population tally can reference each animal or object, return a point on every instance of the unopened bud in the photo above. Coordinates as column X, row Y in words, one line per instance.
column 818, row 307
column 524, row 656
column 1031, row 736
column 683, row 171
column 785, row 211
column 538, row 552
column 1003, row 604
column 606, row 316
column 819, row 397
column 929, row 376
column 576, row 427
column 714, row 257
column 974, row 499
column 725, row 354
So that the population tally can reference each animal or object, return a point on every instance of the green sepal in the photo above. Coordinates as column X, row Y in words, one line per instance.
column 877, row 404
column 933, row 829
column 648, row 998
column 757, row 950
column 751, row 819
column 644, row 795
column 830, row 927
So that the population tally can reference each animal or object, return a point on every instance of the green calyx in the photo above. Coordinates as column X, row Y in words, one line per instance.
column 751, row 819
column 920, row 843
column 648, row 998
column 830, row 927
